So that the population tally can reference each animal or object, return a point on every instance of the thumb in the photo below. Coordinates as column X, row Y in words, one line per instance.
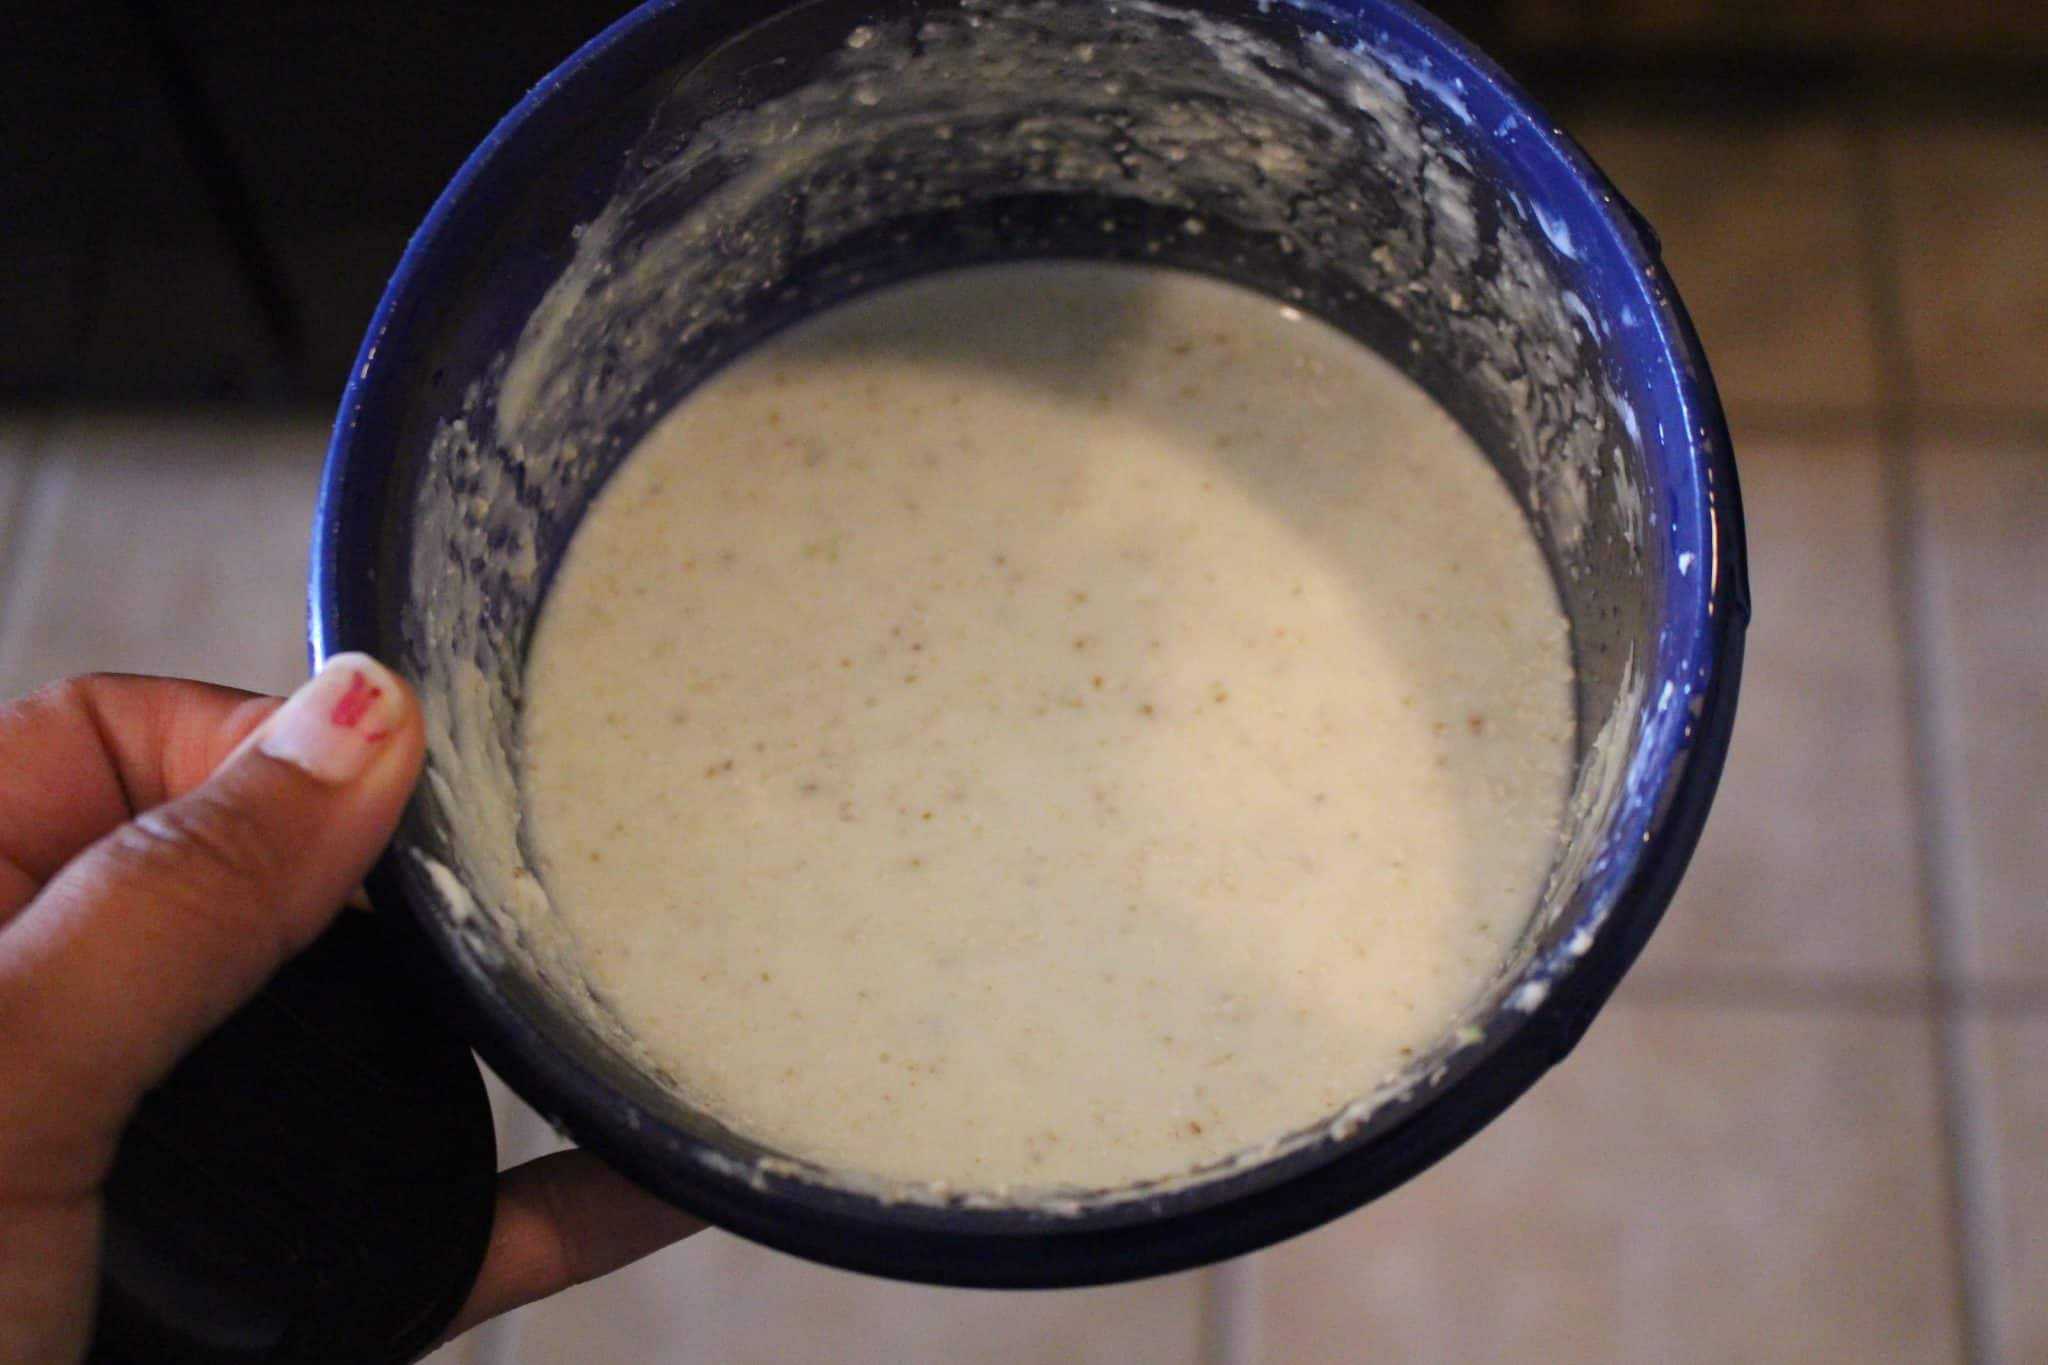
column 145, row 942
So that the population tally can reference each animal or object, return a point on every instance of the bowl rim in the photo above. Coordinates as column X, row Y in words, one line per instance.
column 1205, row 1221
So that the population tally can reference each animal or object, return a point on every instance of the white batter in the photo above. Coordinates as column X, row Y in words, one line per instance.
column 1047, row 724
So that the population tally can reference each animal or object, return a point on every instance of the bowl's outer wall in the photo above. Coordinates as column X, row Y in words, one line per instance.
column 495, row 241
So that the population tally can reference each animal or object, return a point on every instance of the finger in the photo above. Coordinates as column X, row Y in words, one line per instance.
column 562, row 1220
column 153, row 935
column 85, row 754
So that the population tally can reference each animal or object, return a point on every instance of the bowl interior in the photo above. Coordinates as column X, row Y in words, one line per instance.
column 698, row 179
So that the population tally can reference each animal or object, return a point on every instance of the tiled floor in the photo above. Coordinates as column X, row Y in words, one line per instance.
column 1982, row 511
column 1825, row 680
column 1698, row 1182
column 1743, row 202
column 1967, row 198
column 1813, row 1126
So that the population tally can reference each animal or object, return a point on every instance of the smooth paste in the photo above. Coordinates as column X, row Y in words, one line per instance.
column 1046, row 725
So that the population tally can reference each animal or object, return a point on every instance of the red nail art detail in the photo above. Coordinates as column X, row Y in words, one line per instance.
column 335, row 724
column 355, row 703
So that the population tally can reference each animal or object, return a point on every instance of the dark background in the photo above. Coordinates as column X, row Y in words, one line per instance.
column 203, row 200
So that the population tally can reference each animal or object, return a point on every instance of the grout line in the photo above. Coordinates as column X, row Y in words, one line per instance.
column 15, row 525
column 1768, row 418
column 1970, row 1168
column 1765, row 421
column 1822, row 992
column 1990, row 418
column 1230, row 1312
column 1782, row 992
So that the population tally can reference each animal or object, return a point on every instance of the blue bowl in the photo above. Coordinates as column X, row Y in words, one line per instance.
column 703, row 174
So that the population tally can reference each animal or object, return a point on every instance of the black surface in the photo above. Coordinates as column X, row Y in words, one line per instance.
column 250, row 171
column 313, row 1184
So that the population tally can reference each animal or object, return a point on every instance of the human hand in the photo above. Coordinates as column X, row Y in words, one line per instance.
column 165, row 846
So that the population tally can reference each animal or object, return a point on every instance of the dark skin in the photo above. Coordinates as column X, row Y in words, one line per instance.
column 155, row 870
